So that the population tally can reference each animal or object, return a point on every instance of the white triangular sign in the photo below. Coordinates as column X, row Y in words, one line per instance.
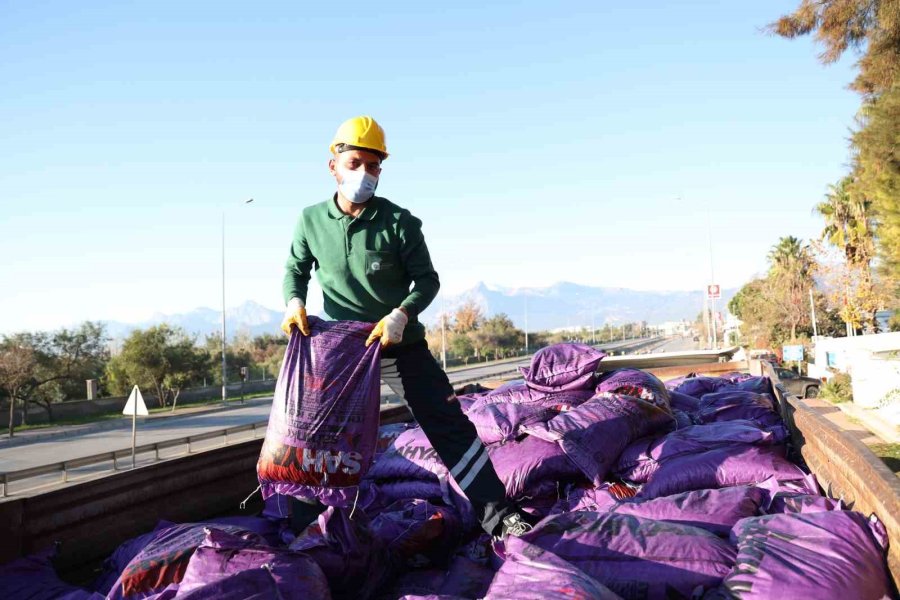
column 135, row 400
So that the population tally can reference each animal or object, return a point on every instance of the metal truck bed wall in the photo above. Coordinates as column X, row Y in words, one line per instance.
column 91, row 519
column 844, row 466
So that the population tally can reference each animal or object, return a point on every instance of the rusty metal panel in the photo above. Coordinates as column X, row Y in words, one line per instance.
column 700, row 369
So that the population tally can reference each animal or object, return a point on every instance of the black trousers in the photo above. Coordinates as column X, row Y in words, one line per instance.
column 414, row 375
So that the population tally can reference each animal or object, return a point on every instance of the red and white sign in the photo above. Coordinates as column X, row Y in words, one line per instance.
column 713, row 291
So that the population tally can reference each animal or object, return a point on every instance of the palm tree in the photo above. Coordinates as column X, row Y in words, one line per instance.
column 848, row 223
column 849, row 228
column 790, row 270
column 790, row 256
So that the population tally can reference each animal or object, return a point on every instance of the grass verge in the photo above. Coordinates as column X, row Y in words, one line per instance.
column 890, row 454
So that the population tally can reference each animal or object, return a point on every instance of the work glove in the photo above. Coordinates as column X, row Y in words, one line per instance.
column 295, row 314
column 389, row 329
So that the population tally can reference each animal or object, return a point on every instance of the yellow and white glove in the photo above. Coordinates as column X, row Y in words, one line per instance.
column 295, row 314
column 389, row 329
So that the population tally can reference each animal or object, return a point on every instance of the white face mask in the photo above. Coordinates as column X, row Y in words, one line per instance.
column 357, row 186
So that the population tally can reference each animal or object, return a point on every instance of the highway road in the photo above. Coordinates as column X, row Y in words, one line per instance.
column 158, row 429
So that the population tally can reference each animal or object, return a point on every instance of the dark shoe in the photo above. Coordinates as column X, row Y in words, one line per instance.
column 515, row 524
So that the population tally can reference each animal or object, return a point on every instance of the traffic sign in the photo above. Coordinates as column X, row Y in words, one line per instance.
column 135, row 404
column 792, row 353
column 713, row 291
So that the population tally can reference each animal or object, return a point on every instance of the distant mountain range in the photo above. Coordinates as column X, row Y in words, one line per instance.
column 558, row 306
column 567, row 304
column 250, row 317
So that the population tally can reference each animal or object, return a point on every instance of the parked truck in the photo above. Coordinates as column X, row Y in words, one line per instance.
column 87, row 521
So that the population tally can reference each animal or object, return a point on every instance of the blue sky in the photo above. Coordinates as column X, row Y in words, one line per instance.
column 538, row 142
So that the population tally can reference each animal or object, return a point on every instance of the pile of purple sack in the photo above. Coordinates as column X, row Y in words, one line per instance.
column 645, row 490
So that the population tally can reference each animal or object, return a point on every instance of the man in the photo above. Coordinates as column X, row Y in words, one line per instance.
column 367, row 251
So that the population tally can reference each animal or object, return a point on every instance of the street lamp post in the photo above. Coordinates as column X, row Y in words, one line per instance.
column 525, row 297
column 224, row 376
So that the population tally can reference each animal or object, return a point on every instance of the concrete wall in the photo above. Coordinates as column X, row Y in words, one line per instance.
column 873, row 362
column 74, row 409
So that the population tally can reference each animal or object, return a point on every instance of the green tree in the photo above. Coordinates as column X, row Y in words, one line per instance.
column 161, row 358
column 62, row 361
column 790, row 278
column 848, row 222
column 877, row 167
column 849, row 229
column 868, row 27
column 499, row 335
column 16, row 367
column 467, row 317
column 238, row 353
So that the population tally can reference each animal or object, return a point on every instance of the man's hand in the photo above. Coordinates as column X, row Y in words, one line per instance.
column 295, row 315
column 389, row 329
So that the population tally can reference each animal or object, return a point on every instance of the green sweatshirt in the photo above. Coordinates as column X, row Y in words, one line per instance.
column 365, row 265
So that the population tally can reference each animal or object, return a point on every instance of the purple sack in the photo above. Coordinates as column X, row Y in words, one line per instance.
column 643, row 457
column 467, row 578
column 562, row 367
column 375, row 496
column 786, row 502
column 471, row 569
column 119, row 559
column 290, row 575
column 635, row 557
column 409, row 456
column 682, row 419
column 758, row 385
column 277, row 507
column 715, row 511
column 737, row 404
column 500, row 417
column 740, row 464
column 680, row 401
column 595, row 433
column 267, row 529
column 699, row 386
column 431, row 597
column 410, row 583
column 164, row 560
column 637, row 383
column 34, row 578
column 824, row 555
column 324, row 420
column 533, row 573
column 532, row 467
column 386, row 436
column 417, row 533
column 352, row 559
column 598, row 499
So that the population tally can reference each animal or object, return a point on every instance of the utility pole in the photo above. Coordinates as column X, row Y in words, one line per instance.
column 526, row 323
column 224, row 377
column 712, row 281
column 224, row 338
column 706, row 318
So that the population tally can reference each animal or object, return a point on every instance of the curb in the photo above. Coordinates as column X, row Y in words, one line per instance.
column 890, row 434
column 64, row 431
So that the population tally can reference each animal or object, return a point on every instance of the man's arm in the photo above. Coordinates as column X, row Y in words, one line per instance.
column 299, row 266
column 417, row 262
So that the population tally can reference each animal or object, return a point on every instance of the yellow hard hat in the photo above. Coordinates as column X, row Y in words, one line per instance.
column 361, row 132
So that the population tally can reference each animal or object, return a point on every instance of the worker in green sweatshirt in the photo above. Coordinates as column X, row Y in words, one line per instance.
column 373, row 265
